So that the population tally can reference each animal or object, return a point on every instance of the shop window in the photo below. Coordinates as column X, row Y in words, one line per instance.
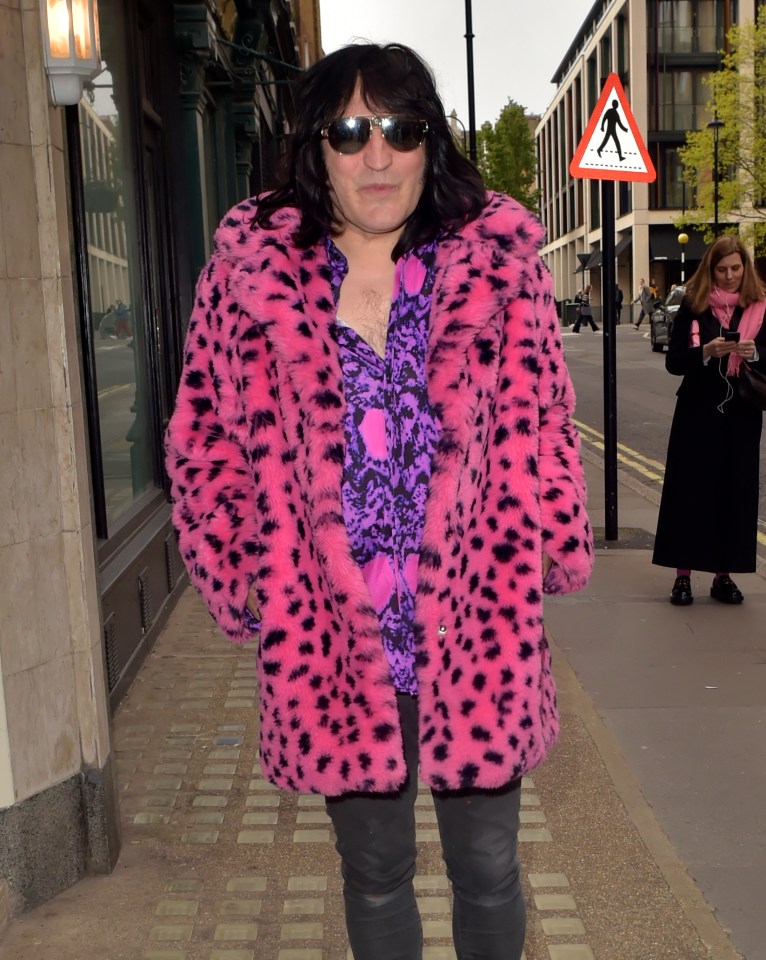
column 112, row 230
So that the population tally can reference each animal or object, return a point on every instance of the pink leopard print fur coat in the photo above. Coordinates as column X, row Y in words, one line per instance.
column 256, row 453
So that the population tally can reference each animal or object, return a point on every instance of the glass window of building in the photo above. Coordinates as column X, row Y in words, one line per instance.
column 669, row 190
column 606, row 54
column 682, row 100
column 623, row 50
column 689, row 26
column 112, row 231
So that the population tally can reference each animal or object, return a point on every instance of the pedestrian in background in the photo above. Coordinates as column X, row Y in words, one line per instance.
column 708, row 517
column 618, row 298
column 584, row 310
column 646, row 298
column 376, row 474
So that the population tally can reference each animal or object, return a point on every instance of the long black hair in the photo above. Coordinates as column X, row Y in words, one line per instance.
column 394, row 79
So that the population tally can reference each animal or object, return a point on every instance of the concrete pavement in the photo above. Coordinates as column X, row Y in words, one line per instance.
column 682, row 695
column 217, row 865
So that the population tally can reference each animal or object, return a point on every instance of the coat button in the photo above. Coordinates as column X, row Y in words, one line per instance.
column 442, row 629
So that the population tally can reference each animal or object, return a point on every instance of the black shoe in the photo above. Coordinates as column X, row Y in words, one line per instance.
column 681, row 594
column 726, row 590
column 596, row 329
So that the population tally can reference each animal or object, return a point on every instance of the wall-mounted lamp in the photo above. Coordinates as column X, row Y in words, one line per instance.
column 71, row 47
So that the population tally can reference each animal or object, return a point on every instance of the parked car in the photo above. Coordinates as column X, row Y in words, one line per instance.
column 661, row 320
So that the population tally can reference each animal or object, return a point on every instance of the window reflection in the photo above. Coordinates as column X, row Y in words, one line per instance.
column 115, row 301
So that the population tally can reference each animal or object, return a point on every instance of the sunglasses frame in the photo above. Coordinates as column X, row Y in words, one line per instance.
column 379, row 121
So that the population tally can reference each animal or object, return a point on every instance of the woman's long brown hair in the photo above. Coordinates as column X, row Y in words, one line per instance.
column 701, row 284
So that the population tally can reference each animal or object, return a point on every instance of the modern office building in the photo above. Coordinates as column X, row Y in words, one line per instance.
column 107, row 210
column 661, row 50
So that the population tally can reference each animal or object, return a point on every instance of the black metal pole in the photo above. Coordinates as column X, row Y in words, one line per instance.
column 715, row 125
column 715, row 180
column 608, row 295
column 469, row 61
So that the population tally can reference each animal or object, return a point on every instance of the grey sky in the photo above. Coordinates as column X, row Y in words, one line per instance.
column 517, row 46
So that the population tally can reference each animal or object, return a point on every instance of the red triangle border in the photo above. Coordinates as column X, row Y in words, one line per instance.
column 612, row 87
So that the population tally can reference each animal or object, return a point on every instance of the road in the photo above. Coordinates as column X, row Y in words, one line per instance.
column 681, row 690
column 645, row 403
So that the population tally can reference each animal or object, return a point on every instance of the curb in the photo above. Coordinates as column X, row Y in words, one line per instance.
column 697, row 910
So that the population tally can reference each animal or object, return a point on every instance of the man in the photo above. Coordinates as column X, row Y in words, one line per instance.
column 646, row 299
column 376, row 475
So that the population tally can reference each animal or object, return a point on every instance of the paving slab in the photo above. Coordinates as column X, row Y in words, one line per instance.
column 217, row 864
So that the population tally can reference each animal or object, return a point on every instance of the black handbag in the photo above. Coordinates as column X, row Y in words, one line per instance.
column 751, row 384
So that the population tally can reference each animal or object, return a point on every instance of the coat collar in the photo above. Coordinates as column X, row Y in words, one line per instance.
column 480, row 269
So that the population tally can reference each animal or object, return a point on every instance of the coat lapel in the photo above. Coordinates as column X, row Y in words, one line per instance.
column 465, row 302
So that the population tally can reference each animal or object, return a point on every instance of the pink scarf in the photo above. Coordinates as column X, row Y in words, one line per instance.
column 723, row 305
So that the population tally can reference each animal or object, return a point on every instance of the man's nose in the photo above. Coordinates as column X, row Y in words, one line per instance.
column 377, row 152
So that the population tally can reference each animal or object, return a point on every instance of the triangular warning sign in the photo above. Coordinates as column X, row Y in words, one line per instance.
column 611, row 147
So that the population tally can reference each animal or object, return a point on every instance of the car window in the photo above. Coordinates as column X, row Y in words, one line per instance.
column 675, row 297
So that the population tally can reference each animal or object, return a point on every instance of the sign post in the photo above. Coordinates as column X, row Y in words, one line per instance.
column 611, row 149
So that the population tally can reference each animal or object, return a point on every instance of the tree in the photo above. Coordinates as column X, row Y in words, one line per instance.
column 506, row 155
column 738, row 98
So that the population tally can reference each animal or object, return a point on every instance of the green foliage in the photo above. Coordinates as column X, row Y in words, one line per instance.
column 738, row 98
column 506, row 155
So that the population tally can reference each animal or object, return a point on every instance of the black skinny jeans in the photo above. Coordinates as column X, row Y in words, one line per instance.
column 584, row 318
column 375, row 837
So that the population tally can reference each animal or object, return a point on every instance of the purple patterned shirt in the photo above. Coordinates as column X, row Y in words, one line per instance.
column 391, row 434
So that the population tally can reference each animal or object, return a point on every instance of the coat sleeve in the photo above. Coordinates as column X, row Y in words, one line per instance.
column 760, row 345
column 566, row 532
column 681, row 358
column 212, row 484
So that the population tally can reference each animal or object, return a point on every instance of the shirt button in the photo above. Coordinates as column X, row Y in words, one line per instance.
column 442, row 629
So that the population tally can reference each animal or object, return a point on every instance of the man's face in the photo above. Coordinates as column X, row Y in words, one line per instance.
column 376, row 190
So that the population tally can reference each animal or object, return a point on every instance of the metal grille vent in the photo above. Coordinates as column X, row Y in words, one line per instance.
column 147, row 605
column 171, row 568
column 112, row 652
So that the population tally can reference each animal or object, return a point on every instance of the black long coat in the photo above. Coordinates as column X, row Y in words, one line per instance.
column 708, row 516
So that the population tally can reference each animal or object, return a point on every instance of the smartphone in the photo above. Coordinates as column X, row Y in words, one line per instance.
column 732, row 335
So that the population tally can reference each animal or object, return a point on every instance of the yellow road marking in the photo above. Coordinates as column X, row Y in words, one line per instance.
column 110, row 391
column 651, row 469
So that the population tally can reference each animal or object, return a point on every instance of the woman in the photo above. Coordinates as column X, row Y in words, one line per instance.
column 375, row 472
column 584, row 310
column 708, row 516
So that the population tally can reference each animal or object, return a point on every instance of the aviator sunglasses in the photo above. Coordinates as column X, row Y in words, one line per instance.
column 348, row 135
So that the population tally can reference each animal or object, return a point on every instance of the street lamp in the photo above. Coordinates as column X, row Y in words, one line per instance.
column 683, row 239
column 715, row 125
column 469, row 64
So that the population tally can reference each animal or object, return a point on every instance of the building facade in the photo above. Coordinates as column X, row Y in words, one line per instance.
column 107, row 210
column 661, row 50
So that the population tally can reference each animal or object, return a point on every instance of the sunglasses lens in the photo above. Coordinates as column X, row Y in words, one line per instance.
column 349, row 134
column 404, row 134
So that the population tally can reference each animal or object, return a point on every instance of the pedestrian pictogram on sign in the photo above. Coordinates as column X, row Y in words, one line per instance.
column 612, row 147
